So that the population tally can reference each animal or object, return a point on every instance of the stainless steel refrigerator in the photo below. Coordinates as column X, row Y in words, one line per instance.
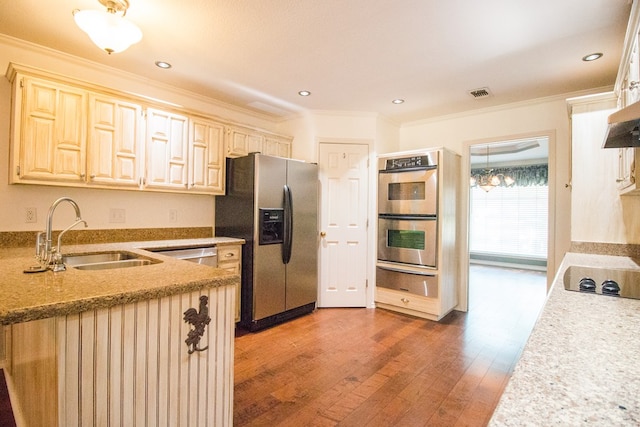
column 272, row 203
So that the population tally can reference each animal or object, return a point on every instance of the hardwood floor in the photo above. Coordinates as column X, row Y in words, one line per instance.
column 371, row 367
column 366, row 367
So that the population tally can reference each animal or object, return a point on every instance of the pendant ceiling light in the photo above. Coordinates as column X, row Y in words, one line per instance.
column 488, row 180
column 109, row 29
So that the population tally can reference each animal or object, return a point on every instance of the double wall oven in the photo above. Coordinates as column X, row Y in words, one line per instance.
column 408, row 223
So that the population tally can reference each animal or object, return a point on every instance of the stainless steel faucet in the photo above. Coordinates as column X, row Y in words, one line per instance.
column 47, row 254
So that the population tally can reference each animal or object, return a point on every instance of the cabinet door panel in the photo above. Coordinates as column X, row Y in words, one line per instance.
column 206, row 156
column 167, row 149
column 115, row 142
column 52, row 139
column 243, row 141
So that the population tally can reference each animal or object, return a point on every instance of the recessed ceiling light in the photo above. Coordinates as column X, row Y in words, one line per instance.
column 592, row 57
column 304, row 93
column 398, row 101
column 163, row 64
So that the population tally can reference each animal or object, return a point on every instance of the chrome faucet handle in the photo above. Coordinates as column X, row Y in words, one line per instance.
column 56, row 261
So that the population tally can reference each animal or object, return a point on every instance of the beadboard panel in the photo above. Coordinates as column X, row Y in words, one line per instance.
column 33, row 372
column 128, row 365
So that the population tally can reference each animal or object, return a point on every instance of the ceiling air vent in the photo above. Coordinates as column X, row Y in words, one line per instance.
column 483, row 92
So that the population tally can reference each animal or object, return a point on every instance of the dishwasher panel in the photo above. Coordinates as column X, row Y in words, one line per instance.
column 206, row 256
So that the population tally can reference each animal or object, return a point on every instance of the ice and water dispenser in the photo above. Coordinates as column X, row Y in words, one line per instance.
column 271, row 226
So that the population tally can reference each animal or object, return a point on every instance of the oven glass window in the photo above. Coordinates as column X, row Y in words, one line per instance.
column 407, row 191
column 406, row 239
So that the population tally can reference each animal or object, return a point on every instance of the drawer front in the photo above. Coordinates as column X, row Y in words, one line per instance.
column 407, row 300
column 228, row 253
column 231, row 267
column 410, row 281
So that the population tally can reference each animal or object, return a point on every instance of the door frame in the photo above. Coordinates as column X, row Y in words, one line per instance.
column 371, row 209
column 463, row 291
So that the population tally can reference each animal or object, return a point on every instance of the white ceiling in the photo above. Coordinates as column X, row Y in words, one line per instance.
column 353, row 55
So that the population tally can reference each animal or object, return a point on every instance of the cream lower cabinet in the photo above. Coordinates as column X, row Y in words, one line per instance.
column 127, row 365
column 230, row 259
column 48, row 132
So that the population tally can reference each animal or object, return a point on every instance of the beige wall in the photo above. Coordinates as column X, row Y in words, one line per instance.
column 547, row 117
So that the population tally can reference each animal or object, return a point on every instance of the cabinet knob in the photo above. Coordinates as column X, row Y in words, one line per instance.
column 633, row 85
column 404, row 300
column 323, row 234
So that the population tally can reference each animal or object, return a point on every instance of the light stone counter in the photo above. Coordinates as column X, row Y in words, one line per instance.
column 581, row 364
column 31, row 296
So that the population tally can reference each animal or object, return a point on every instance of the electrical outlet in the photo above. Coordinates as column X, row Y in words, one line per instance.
column 30, row 215
column 117, row 215
column 173, row 215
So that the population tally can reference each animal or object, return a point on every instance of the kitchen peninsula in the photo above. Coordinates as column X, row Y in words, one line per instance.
column 103, row 347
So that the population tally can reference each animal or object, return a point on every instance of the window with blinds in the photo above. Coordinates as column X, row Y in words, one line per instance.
column 509, row 222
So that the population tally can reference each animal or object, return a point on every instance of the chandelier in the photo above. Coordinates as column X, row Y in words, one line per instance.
column 488, row 179
column 109, row 29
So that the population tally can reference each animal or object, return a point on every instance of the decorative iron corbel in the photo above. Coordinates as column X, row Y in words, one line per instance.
column 199, row 319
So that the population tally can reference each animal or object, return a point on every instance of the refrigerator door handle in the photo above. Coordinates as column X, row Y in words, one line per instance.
column 288, row 225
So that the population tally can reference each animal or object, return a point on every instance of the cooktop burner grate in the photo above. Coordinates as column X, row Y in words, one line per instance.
column 603, row 281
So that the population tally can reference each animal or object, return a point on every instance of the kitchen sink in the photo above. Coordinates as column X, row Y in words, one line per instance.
column 106, row 260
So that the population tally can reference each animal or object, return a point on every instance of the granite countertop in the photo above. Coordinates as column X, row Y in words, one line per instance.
column 31, row 296
column 581, row 364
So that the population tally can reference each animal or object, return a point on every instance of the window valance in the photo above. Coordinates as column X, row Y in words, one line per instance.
column 524, row 176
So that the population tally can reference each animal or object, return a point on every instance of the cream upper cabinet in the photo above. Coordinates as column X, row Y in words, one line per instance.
column 243, row 141
column 631, row 83
column 70, row 133
column 629, row 93
column 206, row 156
column 626, row 179
column 49, row 132
column 167, row 150
column 116, row 140
column 277, row 146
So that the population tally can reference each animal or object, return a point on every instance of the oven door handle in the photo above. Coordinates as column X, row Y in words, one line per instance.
column 417, row 168
column 399, row 270
column 418, row 217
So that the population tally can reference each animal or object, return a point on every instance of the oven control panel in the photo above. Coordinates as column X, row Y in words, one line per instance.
column 416, row 161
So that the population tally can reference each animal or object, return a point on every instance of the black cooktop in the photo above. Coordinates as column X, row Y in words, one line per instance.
column 603, row 281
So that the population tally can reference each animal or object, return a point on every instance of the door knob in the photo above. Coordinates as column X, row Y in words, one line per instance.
column 323, row 234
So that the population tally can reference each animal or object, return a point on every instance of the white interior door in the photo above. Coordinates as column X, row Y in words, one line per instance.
column 343, row 173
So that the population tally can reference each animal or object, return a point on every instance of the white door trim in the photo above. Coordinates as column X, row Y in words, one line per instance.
column 552, row 263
